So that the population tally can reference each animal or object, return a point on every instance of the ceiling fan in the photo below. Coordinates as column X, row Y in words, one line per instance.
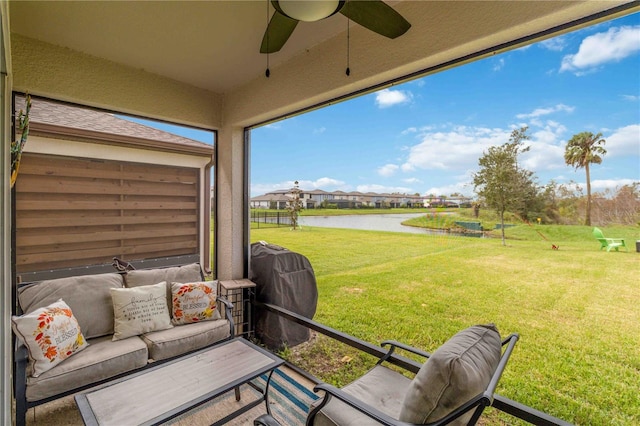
column 372, row 14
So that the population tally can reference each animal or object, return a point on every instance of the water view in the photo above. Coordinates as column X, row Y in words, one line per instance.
column 373, row 222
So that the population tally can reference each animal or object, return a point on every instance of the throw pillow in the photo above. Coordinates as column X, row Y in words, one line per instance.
column 194, row 302
column 457, row 371
column 51, row 334
column 139, row 310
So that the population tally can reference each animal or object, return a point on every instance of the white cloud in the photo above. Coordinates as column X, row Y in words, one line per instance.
column 599, row 185
column 623, row 141
column 557, row 44
column 463, row 188
column 614, row 45
column 498, row 65
column 412, row 180
column 388, row 170
column 320, row 130
column 631, row 98
column 380, row 189
column 539, row 112
column 458, row 148
column 387, row 97
column 603, row 184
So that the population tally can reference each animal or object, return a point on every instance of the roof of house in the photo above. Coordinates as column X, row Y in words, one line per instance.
column 69, row 121
column 271, row 197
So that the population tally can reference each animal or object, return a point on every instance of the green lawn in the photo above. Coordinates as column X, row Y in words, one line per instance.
column 577, row 309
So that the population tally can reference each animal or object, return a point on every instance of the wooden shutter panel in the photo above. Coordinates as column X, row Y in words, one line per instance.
column 78, row 212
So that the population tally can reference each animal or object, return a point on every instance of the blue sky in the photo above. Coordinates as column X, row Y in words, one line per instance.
column 426, row 136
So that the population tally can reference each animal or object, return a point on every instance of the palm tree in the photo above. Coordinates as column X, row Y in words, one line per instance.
column 583, row 149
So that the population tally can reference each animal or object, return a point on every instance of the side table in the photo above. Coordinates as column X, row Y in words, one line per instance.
column 240, row 293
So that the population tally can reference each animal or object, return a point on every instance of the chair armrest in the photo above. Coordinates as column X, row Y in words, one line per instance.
column 392, row 347
column 20, row 353
column 266, row 420
column 510, row 342
column 408, row 348
column 228, row 307
column 374, row 413
column 21, row 362
column 615, row 240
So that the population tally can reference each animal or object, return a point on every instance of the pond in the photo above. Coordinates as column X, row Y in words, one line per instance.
column 370, row 222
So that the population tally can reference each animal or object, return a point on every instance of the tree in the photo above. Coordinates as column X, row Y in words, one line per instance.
column 583, row 149
column 500, row 181
column 294, row 205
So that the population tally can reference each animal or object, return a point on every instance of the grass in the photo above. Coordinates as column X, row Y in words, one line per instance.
column 577, row 309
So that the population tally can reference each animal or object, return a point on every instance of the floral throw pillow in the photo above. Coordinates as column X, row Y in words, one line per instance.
column 194, row 302
column 51, row 334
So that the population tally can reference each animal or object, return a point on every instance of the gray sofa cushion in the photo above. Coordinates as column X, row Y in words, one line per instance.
column 381, row 388
column 88, row 297
column 102, row 359
column 177, row 274
column 458, row 371
column 185, row 338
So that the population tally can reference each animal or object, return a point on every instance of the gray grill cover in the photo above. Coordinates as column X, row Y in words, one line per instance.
column 285, row 279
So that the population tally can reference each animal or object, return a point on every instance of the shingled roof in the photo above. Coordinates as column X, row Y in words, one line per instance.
column 52, row 118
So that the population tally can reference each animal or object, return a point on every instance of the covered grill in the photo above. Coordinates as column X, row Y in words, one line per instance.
column 285, row 279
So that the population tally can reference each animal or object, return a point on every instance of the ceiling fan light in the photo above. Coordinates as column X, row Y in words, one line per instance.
column 308, row 10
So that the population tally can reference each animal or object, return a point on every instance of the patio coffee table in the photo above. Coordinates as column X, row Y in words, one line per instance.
column 168, row 390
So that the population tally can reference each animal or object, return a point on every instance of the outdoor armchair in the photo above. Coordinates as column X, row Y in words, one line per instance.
column 454, row 386
column 608, row 243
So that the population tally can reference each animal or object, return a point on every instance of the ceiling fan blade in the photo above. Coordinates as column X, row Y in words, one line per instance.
column 377, row 16
column 278, row 31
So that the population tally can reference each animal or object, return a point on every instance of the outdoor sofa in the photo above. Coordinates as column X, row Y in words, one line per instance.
column 85, row 330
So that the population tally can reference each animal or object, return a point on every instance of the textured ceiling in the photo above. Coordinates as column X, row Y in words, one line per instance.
column 214, row 44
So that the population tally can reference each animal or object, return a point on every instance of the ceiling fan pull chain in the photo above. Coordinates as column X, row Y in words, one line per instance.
column 267, row 73
column 348, row 71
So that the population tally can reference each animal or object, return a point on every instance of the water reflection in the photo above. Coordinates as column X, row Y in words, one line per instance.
column 370, row 222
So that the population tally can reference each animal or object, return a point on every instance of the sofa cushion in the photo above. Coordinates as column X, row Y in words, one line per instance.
column 88, row 297
column 381, row 388
column 185, row 338
column 101, row 360
column 51, row 335
column 194, row 302
column 140, row 310
column 457, row 371
column 176, row 274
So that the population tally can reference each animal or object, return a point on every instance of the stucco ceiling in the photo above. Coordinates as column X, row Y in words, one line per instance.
column 214, row 45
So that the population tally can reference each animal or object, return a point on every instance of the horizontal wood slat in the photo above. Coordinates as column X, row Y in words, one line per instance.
column 93, row 169
column 76, row 212
column 67, row 259
column 107, row 205
column 37, row 240
column 36, row 183
column 25, row 223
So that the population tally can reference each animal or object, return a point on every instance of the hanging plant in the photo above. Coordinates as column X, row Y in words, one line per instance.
column 18, row 145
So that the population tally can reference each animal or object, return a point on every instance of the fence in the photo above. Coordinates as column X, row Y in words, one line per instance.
column 271, row 218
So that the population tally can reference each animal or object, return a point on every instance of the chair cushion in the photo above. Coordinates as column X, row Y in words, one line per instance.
column 381, row 388
column 185, row 338
column 455, row 373
column 88, row 297
column 102, row 359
